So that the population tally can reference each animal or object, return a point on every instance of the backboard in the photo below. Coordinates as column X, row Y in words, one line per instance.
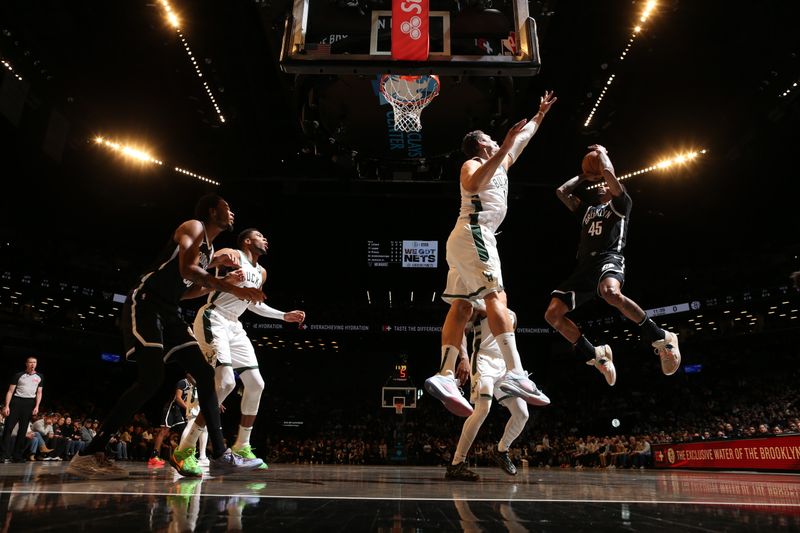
column 391, row 396
column 355, row 38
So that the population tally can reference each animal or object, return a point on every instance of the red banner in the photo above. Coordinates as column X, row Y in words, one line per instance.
column 772, row 453
column 410, row 36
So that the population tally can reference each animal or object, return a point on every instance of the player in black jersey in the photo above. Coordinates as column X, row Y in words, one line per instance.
column 155, row 333
column 603, row 207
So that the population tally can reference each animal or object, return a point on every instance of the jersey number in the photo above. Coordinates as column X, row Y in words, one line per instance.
column 596, row 228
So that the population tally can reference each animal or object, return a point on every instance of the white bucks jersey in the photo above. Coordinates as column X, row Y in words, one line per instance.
column 483, row 341
column 229, row 304
column 488, row 206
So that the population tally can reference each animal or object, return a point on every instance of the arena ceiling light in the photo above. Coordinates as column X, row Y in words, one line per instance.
column 145, row 157
column 663, row 164
column 648, row 10
column 174, row 21
column 6, row 64
column 784, row 93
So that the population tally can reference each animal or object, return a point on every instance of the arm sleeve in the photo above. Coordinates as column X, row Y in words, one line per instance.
column 264, row 310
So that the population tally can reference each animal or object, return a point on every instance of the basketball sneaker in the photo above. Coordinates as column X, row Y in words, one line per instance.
column 520, row 386
column 185, row 463
column 155, row 462
column 95, row 466
column 460, row 472
column 445, row 389
column 667, row 350
column 503, row 461
column 604, row 362
column 246, row 451
column 232, row 463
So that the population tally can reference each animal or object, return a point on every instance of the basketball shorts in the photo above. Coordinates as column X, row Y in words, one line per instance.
column 584, row 283
column 223, row 340
column 487, row 370
column 474, row 264
column 148, row 323
column 173, row 416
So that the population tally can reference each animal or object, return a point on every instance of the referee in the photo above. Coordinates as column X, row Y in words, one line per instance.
column 22, row 401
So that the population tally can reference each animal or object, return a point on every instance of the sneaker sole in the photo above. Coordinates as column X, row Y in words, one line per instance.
column 456, row 407
column 539, row 401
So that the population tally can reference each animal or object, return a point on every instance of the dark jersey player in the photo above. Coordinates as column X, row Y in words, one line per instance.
column 155, row 333
column 603, row 208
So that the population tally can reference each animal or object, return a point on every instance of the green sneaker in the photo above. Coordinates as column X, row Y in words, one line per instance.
column 246, row 451
column 185, row 463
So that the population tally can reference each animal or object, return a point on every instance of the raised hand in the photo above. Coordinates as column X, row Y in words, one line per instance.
column 546, row 102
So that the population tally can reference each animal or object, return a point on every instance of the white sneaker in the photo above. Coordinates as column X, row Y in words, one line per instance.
column 604, row 362
column 95, row 466
column 669, row 353
column 445, row 389
column 202, row 462
column 520, row 386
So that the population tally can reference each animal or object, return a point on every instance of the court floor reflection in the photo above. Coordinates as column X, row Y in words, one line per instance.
column 40, row 496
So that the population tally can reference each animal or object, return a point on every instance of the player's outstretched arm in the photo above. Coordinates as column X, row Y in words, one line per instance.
column 475, row 175
column 530, row 129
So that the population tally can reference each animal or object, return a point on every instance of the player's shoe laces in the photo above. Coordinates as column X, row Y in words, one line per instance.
column 460, row 472
column 232, row 463
column 503, row 461
column 604, row 362
column 518, row 384
column 246, row 451
column 96, row 466
column 668, row 352
column 185, row 463
column 445, row 389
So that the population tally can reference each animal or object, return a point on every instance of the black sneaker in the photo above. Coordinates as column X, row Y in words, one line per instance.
column 460, row 472
column 504, row 461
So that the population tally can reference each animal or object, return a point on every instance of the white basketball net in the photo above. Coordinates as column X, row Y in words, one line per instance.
column 409, row 95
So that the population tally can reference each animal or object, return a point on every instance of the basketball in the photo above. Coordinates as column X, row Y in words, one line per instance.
column 591, row 164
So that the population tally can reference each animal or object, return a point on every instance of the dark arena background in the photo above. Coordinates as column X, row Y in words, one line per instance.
column 117, row 117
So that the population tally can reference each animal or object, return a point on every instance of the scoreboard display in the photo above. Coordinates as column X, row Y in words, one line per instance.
column 402, row 254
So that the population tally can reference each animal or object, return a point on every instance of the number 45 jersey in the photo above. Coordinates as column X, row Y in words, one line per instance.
column 604, row 227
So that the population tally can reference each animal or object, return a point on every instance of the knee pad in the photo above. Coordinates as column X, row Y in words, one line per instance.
column 253, row 387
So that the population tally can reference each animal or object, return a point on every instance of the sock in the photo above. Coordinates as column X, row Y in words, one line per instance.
column 508, row 347
column 203, row 444
column 515, row 424
column 585, row 347
column 449, row 356
column 243, row 437
column 650, row 331
column 189, row 438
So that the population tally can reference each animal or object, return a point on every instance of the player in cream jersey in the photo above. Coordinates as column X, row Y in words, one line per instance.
column 225, row 343
column 488, row 369
column 475, row 263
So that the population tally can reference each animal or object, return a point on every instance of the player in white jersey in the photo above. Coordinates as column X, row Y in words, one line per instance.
column 226, row 345
column 475, row 264
column 488, row 369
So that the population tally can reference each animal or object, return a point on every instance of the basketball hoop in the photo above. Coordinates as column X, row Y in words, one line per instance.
column 408, row 95
column 398, row 407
